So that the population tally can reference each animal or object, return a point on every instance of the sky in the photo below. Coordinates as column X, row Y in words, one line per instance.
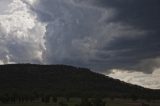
column 118, row 38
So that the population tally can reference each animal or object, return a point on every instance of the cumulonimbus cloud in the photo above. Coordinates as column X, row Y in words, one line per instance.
column 101, row 35
column 84, row 33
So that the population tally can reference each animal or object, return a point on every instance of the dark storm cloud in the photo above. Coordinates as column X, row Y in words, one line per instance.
column 102, row 34
column 141, row 13
column 128, row 53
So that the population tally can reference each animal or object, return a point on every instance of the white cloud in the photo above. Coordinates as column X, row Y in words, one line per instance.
column 21, row 34
column 138, row 78
column 30, row 1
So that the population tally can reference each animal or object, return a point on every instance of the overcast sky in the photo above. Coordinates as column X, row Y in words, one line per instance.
column 119, row 38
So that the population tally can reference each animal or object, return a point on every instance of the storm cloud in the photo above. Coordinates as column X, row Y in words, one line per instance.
column 102, row 35
column 99, row 34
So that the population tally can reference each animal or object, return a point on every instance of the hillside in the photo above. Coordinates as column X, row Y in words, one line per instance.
column 62, row 80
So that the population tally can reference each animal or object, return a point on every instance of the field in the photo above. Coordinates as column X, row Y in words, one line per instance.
column 77, row 102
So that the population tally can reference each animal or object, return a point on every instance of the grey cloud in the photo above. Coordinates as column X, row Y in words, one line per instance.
column 102, row 35
column 143, row 15
column 97, row 34
column 139, row 13
column 70, row 33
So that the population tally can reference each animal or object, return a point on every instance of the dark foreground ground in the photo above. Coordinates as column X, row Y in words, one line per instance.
column 88, row 102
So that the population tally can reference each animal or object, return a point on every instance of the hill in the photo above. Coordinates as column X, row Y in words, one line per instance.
column 63, row 80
